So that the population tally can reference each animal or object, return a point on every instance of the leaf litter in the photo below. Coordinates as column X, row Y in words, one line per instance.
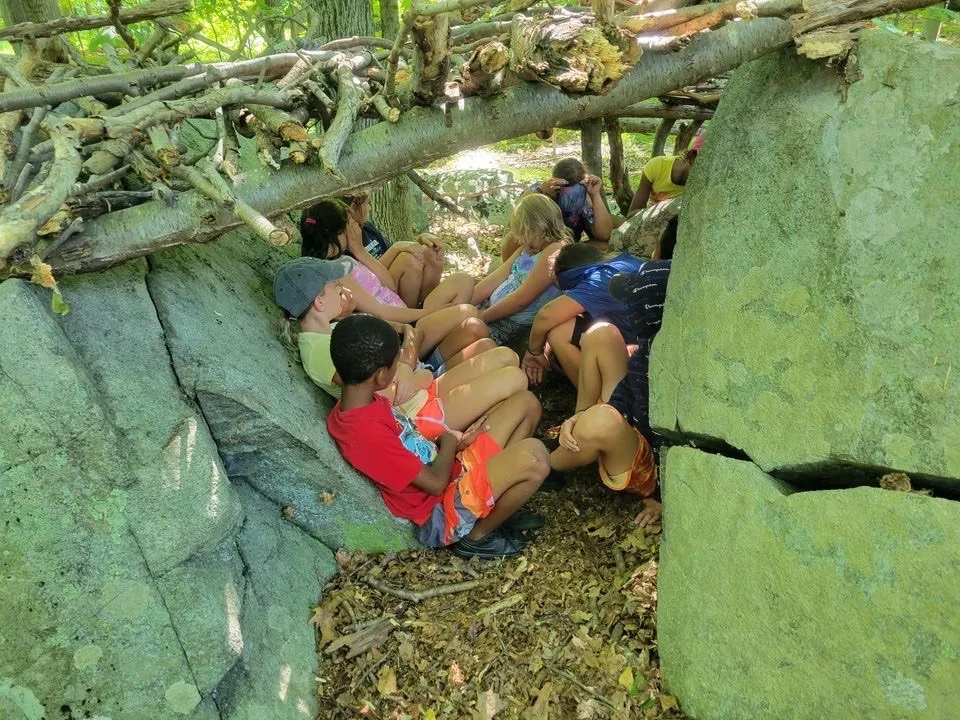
column 566, row 630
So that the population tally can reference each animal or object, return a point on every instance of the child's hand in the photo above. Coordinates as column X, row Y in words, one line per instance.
column 551, row 186
column 592, row 183
column 651, row 513
column 432, row 245
column 567, row 440
column 533, row 366
column 469, row 436
column 405, row 389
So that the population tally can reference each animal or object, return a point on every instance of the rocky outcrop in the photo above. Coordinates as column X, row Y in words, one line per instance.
column 832, row 604
column 809, row 332
column 151, row 438
column 639, row 234
column 810, row 318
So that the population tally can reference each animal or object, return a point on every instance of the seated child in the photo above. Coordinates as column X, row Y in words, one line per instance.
column 416, row 267
column 664, row 177
column 324, row 230
column 328, row 231
column 590, row 332
column 580, row 198
column 310, row 290
column 617, row 433
column 458, row 491
column 511, row 295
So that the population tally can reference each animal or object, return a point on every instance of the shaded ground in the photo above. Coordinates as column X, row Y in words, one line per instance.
column 565, row 631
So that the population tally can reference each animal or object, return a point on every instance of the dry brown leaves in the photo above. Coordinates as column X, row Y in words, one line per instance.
column 565, row 631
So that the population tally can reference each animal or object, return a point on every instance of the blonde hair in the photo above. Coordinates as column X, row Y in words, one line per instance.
column 288, row 331
column 537, row 216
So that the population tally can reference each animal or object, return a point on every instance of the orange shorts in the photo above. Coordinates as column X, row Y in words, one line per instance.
column 641, row 478
column 466, row 500
column 430, row 420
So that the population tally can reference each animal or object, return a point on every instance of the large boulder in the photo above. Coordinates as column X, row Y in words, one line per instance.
column 152, row 437
column 216, row 305
column 831, row 604
column 87, row 628
column 810, row 319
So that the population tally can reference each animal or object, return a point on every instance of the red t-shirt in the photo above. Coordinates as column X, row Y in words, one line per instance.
column 369, row 438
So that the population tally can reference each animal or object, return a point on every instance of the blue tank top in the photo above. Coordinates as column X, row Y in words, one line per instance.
column 518, row 274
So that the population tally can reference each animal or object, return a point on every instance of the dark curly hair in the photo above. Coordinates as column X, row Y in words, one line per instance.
column 362, row 344
column 320, row 227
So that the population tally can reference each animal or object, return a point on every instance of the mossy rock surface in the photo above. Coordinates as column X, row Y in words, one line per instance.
column 831, row 604
column 811, row 311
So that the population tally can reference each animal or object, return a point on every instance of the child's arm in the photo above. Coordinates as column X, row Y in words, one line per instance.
column 602, row 225
column 363, row 256
column 366, row 303
column 537, row 281
column 491, row 282
column 435, row 477
column 641, row 197
column 556, row 312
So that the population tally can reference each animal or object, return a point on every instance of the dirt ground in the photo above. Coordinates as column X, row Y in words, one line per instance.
column 567, row 630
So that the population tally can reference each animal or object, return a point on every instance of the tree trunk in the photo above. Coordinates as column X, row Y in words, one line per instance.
column 661, row 137
column 591, row 140
column 342, row 18
column 390, row 202
column 389, row 18
column 619, row 177
column 20, row 11
column 422, row 135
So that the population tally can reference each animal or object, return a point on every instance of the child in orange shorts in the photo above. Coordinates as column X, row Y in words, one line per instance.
column 465, row 489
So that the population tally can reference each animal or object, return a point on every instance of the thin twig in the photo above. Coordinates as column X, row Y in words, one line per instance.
column 599, row 698
column 421, row 595
column 435, row 195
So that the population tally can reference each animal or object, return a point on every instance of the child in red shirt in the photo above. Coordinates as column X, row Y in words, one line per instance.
column 461, row 490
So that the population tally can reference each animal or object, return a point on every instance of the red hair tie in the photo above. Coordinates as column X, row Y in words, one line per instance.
column 310, row 221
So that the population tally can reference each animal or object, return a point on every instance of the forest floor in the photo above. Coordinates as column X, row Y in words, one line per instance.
column 567, row 630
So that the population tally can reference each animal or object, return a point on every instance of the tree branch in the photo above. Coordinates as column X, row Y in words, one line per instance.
column 127, row 16
column 386, row 150
column 20, row 220
column 435, row 195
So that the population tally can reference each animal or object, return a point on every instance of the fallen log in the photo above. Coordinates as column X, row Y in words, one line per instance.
column 126, row 16
column 422, row 135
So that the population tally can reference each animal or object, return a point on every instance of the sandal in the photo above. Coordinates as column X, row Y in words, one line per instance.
column 494, row 546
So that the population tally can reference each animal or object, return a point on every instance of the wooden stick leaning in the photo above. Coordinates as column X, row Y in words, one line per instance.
column 435, row 195
column 19, row 221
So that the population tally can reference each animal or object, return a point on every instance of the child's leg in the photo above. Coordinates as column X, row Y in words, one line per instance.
column 515, row 473
column 603, row 364
column 471, row 351
column 600, row 432
column 465, row 401
column 567, row 354
column 452, row 329
column 456, row 288
column 515, row 418
column 407, row 272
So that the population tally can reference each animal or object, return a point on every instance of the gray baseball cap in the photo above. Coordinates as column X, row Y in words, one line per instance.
column 299, row 281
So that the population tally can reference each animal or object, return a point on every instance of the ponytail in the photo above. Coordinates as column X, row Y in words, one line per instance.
column 288, row 332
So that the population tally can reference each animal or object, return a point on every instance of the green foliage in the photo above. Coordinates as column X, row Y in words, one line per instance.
column 913, row 23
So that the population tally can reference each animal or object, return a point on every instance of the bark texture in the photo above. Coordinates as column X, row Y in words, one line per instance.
column 421, row 136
